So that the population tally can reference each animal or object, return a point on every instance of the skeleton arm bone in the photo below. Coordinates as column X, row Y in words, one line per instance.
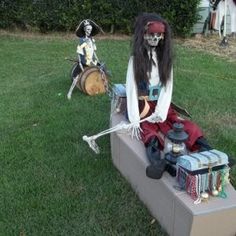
column 96, row 57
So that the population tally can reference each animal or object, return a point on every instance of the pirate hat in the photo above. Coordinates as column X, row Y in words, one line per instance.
column 80, row 29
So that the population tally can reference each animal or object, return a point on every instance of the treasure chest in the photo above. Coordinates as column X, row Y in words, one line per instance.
column 203, row 174
column 118, row 98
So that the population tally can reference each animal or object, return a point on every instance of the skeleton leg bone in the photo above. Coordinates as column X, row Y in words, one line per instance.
column 75, row 80
column 121, row 126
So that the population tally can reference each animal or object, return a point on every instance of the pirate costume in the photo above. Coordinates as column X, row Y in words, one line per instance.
column 152, row 99
column 86, row 48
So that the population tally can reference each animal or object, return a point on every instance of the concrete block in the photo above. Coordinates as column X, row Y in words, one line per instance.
column 173, row 209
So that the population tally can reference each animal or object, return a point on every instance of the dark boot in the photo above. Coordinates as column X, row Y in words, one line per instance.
column 155, row 171
column 152, row 151
column 157, row 165
column 203, row 144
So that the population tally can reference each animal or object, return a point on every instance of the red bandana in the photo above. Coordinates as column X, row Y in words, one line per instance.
column 155, row 27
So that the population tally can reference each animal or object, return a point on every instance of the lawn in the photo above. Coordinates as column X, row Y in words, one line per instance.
column 51, row 183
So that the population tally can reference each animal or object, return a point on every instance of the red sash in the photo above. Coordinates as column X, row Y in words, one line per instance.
column 159, row 130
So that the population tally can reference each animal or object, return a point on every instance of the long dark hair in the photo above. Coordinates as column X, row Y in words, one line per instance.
column 142, row 64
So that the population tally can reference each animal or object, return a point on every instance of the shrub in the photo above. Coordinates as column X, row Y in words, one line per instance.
column 112, row 15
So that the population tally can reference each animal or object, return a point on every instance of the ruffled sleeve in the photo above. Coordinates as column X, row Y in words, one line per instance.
column 131, row 93
column 164, row 99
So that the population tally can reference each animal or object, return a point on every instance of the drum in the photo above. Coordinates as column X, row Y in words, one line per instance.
column 92, row 81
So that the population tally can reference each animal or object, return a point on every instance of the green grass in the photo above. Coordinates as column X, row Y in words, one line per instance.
column 51, row 183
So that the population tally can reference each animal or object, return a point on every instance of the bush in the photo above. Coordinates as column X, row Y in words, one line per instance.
column 112, row 15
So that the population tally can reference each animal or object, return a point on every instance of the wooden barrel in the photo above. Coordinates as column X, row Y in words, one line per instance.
column 92, row 81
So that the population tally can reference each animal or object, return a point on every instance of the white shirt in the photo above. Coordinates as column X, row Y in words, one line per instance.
column 164, row 99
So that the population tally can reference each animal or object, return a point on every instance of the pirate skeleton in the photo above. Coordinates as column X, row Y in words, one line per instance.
column 86, row 49
column 149, row 85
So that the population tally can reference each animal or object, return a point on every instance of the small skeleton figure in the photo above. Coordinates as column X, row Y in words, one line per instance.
column 86, row 49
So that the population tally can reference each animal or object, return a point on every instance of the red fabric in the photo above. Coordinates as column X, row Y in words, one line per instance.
column 155, row 27
column 159, row 130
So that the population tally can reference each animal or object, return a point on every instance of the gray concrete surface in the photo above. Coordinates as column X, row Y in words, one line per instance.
column 173, row 209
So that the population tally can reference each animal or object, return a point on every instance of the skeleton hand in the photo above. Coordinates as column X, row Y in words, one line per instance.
column 154, row 118
column 135, row 130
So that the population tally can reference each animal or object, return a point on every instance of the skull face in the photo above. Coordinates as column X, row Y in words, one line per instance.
column 88, row 30
column 153, row 38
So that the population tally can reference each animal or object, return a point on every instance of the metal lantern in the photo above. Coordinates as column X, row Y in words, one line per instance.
column 175, row 143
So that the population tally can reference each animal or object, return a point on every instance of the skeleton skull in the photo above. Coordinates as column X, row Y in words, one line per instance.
column 88, row 30
column 153, row 38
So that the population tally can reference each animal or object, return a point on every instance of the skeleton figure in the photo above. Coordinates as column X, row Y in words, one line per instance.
column 149, row 85
column 86, row 49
